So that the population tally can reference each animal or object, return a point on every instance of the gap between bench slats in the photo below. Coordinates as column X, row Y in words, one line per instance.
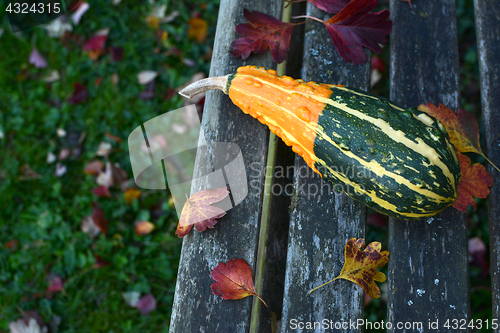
column 488, row 41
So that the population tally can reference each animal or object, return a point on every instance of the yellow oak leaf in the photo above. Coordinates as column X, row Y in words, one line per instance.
column 131, row 194
column 360, row 267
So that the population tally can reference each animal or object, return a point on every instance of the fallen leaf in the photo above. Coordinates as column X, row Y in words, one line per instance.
column 51, row 157
column 80, row 10
column 264, row 31
column 360, row 267
column 157, row 14
column 80, row 94
column 63, row 154
column 95, row 46
column 170, row 17
column 60, row 170
column 27, row 173
column 99, row 262
column 146, row 304
column 31, row 326
column 197, row 211
column 144, row 77
column 233, row 280
column 99, row 219
column 354, row 27
column 103, row 149
column 116, row 53
column 52, row 77
column 330, row 6
column 475, row 182
column 37, row 60
column 131, row 194
column 93, row 168
column 58, row 27
column 56, row 285
column 89, row 227
column 143, row 228
column 131, row 298
column 477, row 252
column 113, row 137
column 61, row 132
column 148, row 93
column 102, row 192
column 12, row 245
column 198, row 28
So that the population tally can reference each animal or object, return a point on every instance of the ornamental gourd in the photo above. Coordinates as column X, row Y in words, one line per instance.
column 399, row 162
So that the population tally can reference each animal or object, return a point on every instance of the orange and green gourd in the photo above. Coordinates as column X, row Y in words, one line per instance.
column 399, row 162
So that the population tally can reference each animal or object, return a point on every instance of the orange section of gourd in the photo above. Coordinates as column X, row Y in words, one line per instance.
column 282, row 103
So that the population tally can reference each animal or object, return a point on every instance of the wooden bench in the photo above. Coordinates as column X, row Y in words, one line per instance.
column 294, row 243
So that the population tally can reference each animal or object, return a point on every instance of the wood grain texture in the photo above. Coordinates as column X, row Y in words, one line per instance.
column 322, row 220
column 488, row 41
column 195, row 308
column 428, row 266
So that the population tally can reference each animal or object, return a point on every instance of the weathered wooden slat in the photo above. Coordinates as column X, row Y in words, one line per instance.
column 195, row 308
column 322, row 220
column 428, row 266
column 488, row 41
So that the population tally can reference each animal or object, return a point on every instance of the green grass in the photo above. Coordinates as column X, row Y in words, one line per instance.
column 44, row 215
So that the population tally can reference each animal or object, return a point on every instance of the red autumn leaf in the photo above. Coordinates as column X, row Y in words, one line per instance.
column 96, row 43
column 263, row 31
column 102, row 192
column 99, row 262
column 56, row 285
column 146, row 304
column 95, row 46
column 330, row 6
column 475, row 182
column 116, row 53
column 99, row 219
column 234, row 280
column 12, row 244
column 354, row 27
column 80, row 94
column 197, row 211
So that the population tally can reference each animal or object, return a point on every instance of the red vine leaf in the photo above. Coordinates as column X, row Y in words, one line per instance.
column 354, row 27
column 330, row 6
column 475, row 182
column 234, row 280
column 264, row 31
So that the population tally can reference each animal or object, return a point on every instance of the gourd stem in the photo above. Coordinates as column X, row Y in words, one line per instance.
column 217, row 82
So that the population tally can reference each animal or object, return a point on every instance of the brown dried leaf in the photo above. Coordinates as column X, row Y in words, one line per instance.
column 360, row 267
